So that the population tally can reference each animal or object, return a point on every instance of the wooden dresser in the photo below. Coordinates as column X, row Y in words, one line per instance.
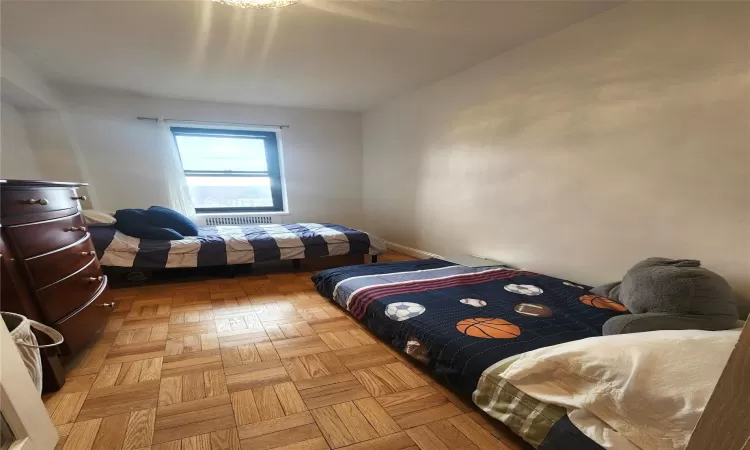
column 50, row 272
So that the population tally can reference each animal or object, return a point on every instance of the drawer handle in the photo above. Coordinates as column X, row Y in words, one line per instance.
column 92, row 279
column 107, row 305
column 80, row 197
column 76, row 229
column 91, row 253
column 35, row 201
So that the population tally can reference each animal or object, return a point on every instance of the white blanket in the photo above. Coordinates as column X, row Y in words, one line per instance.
column 640, row 390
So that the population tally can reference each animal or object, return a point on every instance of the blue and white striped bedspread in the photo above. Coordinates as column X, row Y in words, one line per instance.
column 226, row 245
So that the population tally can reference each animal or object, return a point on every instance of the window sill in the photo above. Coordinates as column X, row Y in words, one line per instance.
column 259, row 213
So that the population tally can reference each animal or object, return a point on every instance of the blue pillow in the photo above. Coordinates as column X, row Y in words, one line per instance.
column 134, row 222
column 162, row 217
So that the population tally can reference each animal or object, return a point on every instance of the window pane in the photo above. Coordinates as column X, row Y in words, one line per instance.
column 230, row 192
column 222, row 153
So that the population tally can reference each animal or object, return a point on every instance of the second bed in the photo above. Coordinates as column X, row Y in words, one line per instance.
column 233, row 245
column 460, row 320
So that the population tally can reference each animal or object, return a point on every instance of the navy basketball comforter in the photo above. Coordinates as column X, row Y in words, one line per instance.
column 460, row 320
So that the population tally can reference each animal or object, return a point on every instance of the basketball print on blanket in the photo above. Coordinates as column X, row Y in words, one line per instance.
column 524, row 289
column 488, row 328
column 602, row 302
column 401, row 311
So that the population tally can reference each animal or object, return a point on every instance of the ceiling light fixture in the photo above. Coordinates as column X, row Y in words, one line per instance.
column 258, row 4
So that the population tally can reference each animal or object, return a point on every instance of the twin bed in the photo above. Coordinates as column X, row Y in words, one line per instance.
column 460, row 320
column 233, row 245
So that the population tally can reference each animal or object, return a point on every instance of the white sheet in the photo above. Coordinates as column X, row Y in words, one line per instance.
column 640, row 390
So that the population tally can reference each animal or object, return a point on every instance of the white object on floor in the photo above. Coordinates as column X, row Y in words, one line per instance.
column 22, row 409
column 28, row 347
column 649, row 388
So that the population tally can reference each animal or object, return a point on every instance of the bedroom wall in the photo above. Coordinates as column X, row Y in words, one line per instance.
column 21, row 85
column 322, row 151
column 578, row 154
column 17, row 159
column 51, row 140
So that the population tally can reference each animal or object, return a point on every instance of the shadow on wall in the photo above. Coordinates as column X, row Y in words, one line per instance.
column 576, row 155
column 743, row 305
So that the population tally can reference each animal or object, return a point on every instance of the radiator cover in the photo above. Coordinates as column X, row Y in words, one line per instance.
column 240, row 220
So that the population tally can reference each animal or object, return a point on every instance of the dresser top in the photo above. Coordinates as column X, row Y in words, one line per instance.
column 40, row 183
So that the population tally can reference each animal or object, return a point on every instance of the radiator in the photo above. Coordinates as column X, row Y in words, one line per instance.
column 240, row 220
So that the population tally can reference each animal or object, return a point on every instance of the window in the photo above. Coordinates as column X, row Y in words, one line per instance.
column 230, row 170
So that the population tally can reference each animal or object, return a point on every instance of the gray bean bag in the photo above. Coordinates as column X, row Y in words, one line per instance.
column 670, row 294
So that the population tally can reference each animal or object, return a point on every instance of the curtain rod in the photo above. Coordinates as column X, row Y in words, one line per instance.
column 215, row 123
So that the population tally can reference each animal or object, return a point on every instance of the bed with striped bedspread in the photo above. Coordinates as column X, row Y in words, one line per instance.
column 228, row 245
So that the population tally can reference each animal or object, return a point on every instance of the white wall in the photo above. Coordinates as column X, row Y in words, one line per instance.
column 322, row 151
column 22, row 86
column 580, row 153
column 50, row 140
column 17, row 159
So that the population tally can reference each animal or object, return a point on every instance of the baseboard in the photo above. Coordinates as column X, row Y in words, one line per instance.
column 421, row 254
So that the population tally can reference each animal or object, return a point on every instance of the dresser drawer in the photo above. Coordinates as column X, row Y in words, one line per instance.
column 30, row 201
column 85, row 324
column 43, row 237
column 60, row 299
column 52, row 267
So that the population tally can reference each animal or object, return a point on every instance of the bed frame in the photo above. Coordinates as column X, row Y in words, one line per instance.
column 122, row 277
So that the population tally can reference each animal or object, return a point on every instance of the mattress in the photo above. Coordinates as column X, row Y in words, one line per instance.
column 461, row 320
column 228, row 245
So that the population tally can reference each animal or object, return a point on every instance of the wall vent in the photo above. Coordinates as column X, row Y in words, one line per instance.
column 241, row 220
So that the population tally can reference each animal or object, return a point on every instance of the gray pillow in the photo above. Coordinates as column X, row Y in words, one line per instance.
column 669, row 294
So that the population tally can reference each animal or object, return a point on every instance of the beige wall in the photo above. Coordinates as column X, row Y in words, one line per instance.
column 17, row 159
column 322, row 151
column 580, row 153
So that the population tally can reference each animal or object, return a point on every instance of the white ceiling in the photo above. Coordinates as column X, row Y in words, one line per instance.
column 340, row 55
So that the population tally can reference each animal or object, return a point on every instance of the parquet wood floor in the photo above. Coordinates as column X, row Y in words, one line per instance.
column 258, row 362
